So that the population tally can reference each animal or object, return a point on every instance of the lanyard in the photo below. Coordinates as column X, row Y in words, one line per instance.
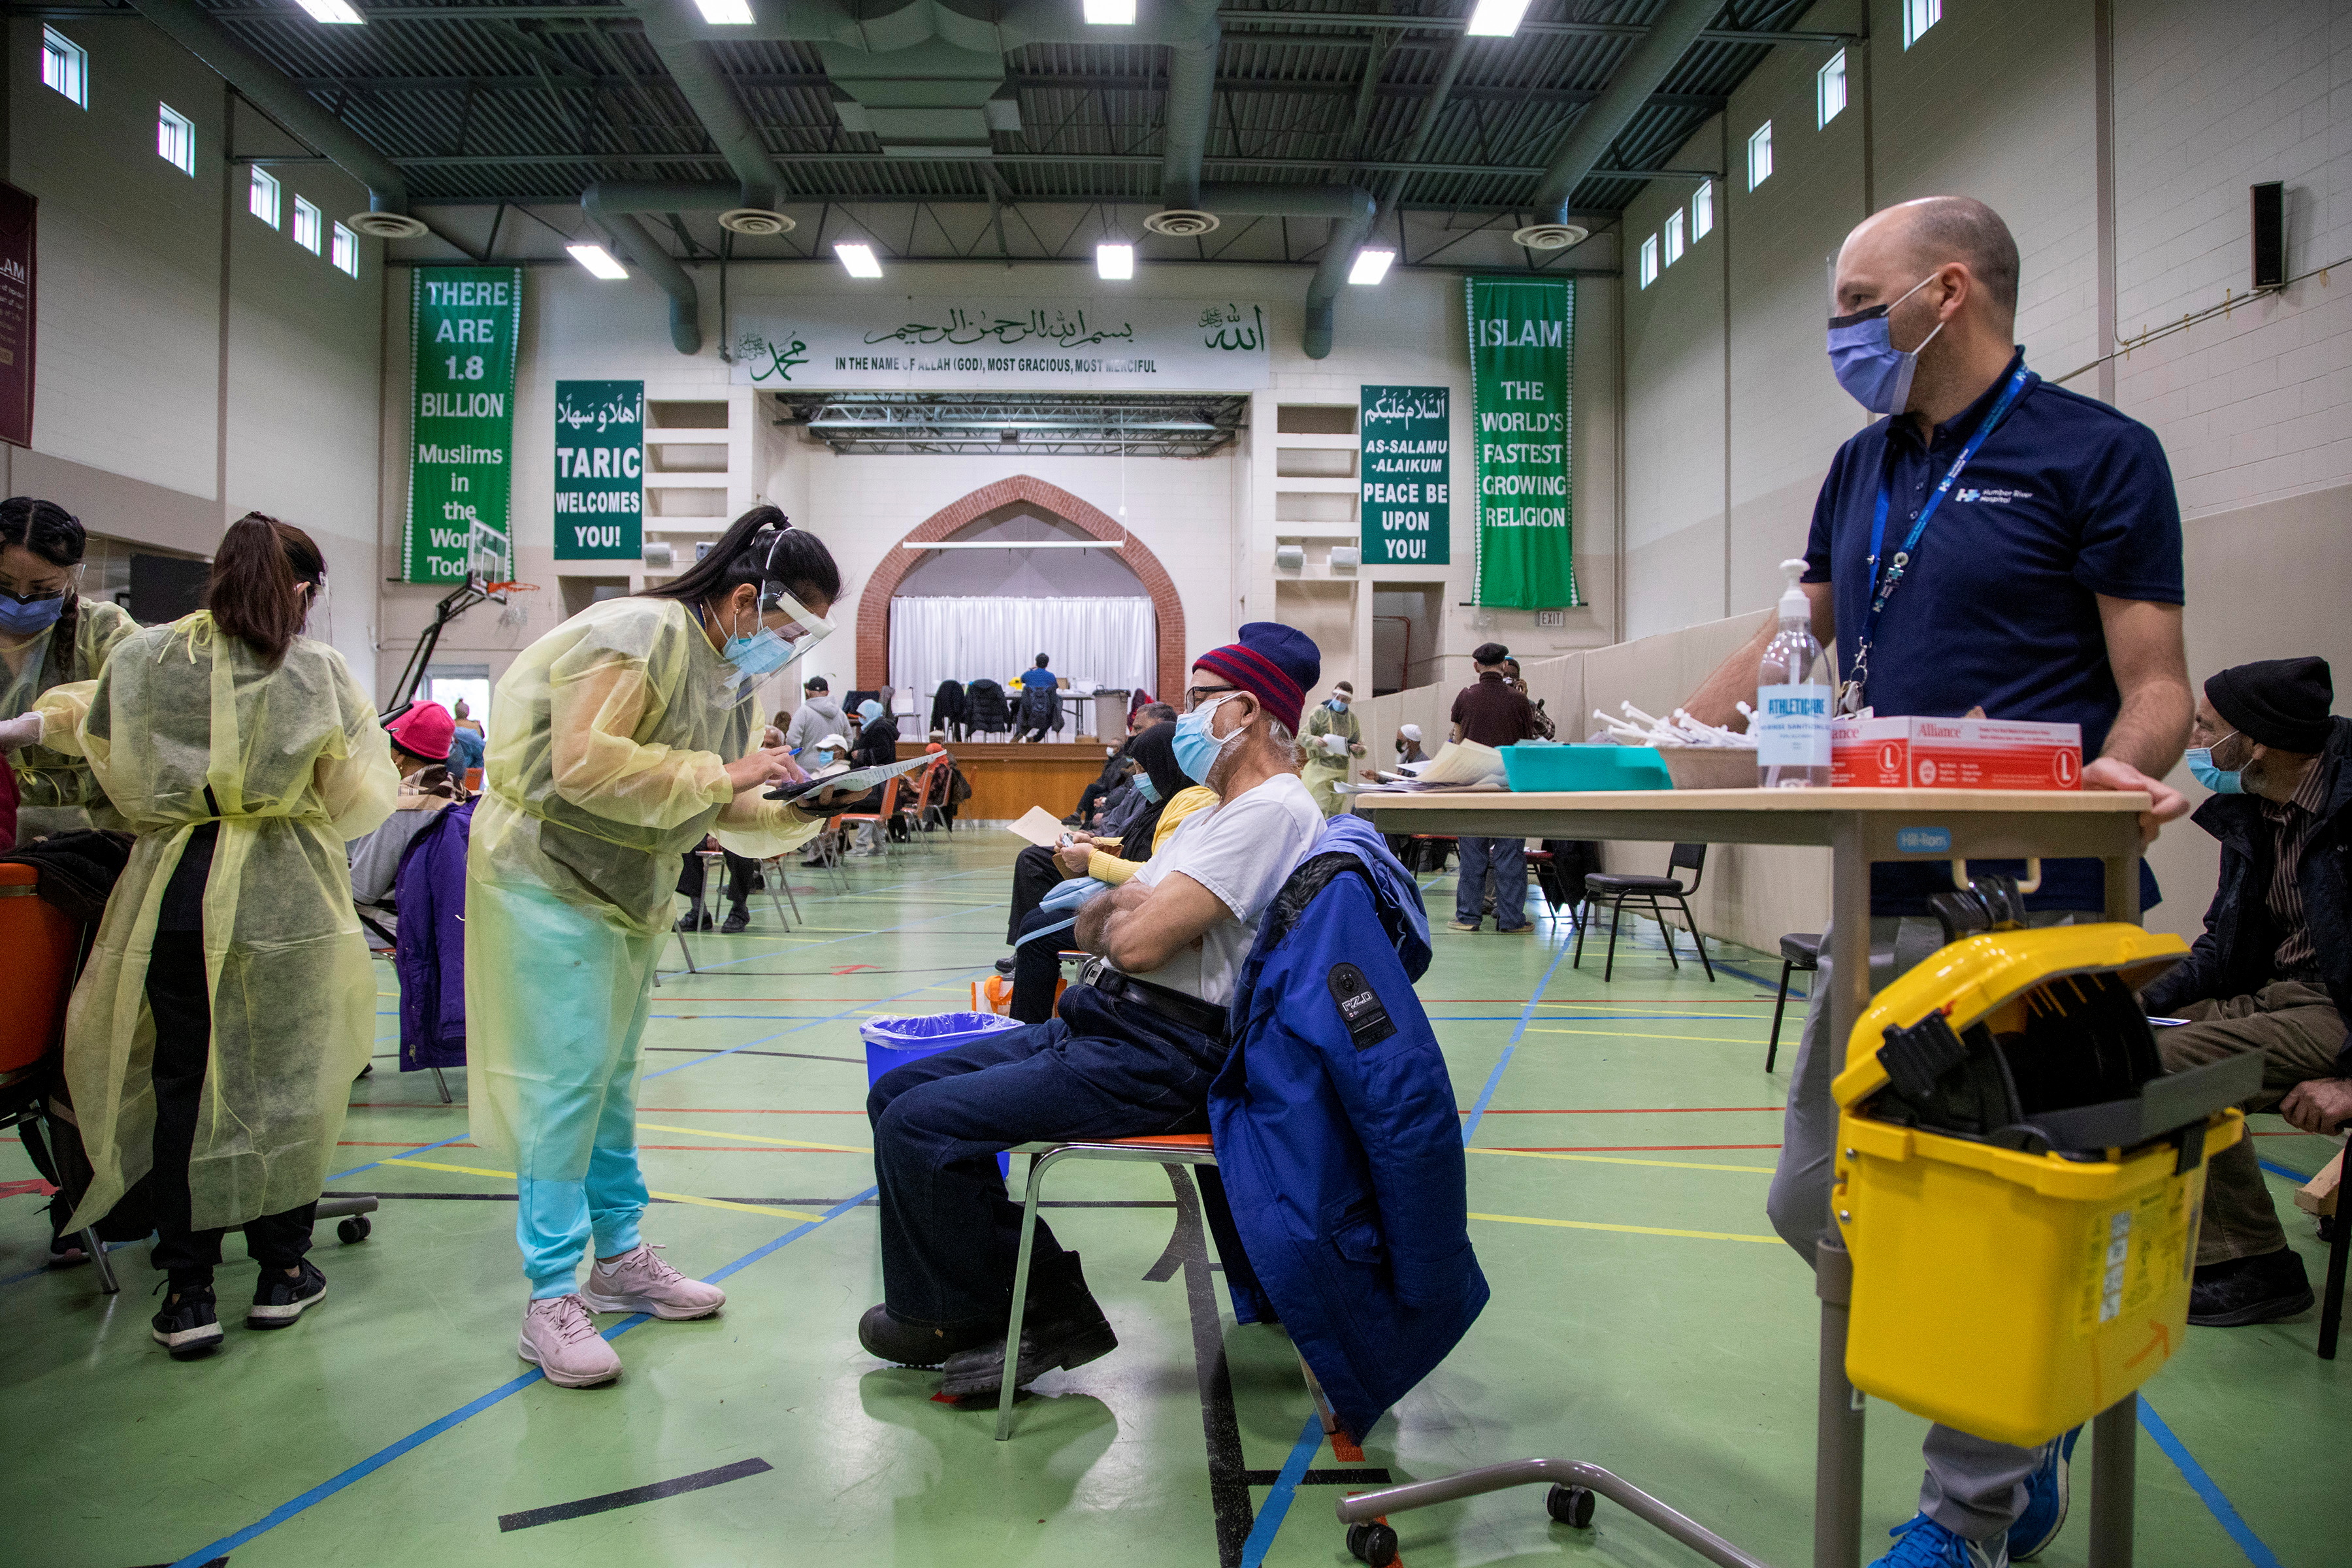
column 1884, row 589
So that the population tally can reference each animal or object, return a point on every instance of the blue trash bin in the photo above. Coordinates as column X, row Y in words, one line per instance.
column 892, row 1043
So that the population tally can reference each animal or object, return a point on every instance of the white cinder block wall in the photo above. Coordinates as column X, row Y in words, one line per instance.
column 194, row 363
column 1212, row 521
column 2000, row 101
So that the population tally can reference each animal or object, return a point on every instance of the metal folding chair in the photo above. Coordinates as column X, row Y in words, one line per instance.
column 1170, row 1149
column 1619, row 889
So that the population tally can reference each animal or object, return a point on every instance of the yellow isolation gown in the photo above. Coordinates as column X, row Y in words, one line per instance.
column 186, row 725
column 53, row 784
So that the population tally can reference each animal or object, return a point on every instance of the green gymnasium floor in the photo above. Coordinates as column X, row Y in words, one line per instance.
column 1643, row 1317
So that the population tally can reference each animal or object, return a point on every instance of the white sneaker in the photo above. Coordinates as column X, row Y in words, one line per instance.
column 637, row 1281
column 558, row 1338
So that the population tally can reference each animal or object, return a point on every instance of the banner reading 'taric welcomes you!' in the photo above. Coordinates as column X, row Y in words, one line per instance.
column 1522, row 348
column 463, row 326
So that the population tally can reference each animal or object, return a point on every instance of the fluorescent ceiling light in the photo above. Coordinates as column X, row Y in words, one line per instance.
column 598, row 260
column 1496, row 18
column 1115, row 261
column 859, row 260
column 1372, row 266
column 726, row 13
column 339, row 12
column 1110, row 13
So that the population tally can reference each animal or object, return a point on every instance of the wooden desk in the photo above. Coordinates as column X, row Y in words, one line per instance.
column 1008, row 778
column 1860, row 826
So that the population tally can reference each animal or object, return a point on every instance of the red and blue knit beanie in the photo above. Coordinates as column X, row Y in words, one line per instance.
column 1273, row 664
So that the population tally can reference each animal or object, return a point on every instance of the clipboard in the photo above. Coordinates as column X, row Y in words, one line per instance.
column 857, row 781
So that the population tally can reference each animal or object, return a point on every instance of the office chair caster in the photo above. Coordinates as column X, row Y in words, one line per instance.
column 1572, row 1506
column 1374, row 1544
column 353, row 1229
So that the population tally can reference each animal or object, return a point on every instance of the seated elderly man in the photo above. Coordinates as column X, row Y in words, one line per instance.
column 1131, row 1054
column 2273, row 971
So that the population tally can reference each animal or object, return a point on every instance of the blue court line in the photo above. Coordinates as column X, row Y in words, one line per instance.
column 1286, row 1487
column 18, row 1279
column 2205, row 1486
column 853, row 936
column 2298, row 1177
column 431, row 1430
column 420, row 1149
column 829, row 1018
column 1495, row 1079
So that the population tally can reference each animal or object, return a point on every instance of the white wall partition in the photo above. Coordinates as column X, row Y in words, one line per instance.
column 1111, row 642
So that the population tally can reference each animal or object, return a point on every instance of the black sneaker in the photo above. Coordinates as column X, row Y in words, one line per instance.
column 694, row 920
column 1065, row 1328
column 1004, row 966
column 2245, row 1291
column 739, row 920
column 884, row 1338
column 188, row 1326
column 278, row 1301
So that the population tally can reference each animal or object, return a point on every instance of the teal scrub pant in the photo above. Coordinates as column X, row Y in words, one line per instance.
column 556, row 1002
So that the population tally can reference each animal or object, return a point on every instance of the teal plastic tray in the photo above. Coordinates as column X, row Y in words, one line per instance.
column 1585, row 767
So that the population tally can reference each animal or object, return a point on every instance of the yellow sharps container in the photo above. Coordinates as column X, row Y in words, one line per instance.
column 2018, row 1184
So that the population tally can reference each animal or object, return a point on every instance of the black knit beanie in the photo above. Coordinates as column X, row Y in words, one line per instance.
column 2279, row 702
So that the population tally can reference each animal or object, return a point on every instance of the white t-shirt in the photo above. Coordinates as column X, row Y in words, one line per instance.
column 1241, row 850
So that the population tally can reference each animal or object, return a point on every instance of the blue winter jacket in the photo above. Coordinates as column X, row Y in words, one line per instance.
column 1336, row 1135
column 429, row 952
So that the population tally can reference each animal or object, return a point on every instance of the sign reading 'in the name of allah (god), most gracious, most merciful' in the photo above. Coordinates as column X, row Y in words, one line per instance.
column 898, row 342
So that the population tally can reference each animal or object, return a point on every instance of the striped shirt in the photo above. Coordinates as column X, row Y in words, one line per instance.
column 2293, row 822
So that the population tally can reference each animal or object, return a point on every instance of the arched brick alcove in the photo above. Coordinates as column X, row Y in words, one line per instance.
column 874, row 601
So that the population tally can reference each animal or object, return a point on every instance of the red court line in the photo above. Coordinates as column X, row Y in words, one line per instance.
column 741, row 1111
column 1628, row 1110
column 1611, row 1148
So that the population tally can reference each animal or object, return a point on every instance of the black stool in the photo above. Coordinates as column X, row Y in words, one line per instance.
column 1798, row 949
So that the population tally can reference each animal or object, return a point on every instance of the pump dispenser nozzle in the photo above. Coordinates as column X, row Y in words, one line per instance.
column 1793, row 603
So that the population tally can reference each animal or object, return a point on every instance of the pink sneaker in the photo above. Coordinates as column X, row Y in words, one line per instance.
column 637, row 1281
column 558, row 1338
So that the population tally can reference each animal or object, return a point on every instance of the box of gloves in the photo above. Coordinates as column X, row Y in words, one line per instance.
column 1899, row 751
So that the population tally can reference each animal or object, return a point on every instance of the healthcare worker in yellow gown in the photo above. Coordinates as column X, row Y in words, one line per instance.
column 53, row 643
column 229, row 1001
column 616, row 742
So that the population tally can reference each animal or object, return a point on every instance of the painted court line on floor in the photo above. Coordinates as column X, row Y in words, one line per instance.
column 700, row 1482
column 1627, row 1230
column 2208, row 1490
column 427, row 1433
column 673, row 1198
column 1495, row 1079
column 1619, row 1160
column 1286, row 1487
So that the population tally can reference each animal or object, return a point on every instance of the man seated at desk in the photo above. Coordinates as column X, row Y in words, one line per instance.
column 1131, row 1054
column 2273, row 971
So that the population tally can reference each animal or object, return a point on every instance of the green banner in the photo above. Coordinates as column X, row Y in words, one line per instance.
column 463, row 326
column 1522, row 348
column 599, row 474
column 1406, row 501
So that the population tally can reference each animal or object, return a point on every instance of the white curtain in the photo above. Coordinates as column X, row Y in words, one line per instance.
column 1111, row 642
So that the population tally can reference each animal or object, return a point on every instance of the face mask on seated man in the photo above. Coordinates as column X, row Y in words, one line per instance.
column 1131, row 1053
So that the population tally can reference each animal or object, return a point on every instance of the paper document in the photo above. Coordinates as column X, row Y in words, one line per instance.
column 1040, row 827
column 854, row 782
column 1461, row 762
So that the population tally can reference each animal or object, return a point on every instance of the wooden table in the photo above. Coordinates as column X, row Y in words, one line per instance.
column 1860, row 827
column 1009, row 777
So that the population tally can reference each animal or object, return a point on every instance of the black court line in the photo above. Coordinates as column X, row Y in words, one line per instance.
column 699, row 1482
column 215, row 1562
column 803, row 1055
column 766, row 1202
column 1229, row 1498
column 1373, row 1476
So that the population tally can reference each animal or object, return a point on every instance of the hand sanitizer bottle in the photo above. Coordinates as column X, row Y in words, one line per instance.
column 1792, row 699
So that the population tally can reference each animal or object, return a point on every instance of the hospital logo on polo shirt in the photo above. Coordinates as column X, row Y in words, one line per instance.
column 1990, row 497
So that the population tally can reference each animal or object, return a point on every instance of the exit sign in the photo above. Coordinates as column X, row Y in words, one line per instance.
column 1550, row 618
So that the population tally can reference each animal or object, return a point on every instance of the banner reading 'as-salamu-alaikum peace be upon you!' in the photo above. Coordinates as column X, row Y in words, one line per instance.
column 1522, row 347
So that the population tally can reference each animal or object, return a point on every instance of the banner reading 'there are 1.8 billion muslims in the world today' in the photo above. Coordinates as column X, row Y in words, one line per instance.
column 1522, row 347
column 463, row 326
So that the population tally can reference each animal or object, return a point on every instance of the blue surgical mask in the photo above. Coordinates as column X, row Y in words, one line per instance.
column 21, row 618
column 1197, row 749
column 761, row 653
column 1337, row 706
column 1147, row 789
column 821, row 759
column 2220, row 781
column 1865, row 361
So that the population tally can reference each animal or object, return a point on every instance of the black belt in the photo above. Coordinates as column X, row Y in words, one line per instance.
column 1200, row 1017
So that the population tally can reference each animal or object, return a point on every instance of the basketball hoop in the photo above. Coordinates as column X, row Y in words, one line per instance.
column 499, row 590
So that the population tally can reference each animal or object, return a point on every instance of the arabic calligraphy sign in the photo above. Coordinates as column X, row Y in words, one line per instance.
column 599, row 478
column 896, row 342
column 463, row 326
column 1522, row 345
column 1405, row 500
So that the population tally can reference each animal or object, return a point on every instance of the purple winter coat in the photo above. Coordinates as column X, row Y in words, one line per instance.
column 429, row 955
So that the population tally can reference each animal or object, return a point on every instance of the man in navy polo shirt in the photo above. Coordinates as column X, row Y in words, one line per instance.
column 2042, row 582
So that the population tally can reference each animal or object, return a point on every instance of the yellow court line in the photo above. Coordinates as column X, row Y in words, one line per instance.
column 1619, row 1160
column 673, row 1198
column 1628, row 1229
column 755, row 1138
column 1638, row 1034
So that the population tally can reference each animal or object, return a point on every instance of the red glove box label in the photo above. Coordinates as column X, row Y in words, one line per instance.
column 1900, row 752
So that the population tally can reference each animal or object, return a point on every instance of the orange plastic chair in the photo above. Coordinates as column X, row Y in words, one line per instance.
column 889, row 808
column 44, row 948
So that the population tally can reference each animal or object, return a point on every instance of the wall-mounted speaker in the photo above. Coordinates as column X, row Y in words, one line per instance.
column 1289, row 557
column 1347, row 557
column 2270, row 235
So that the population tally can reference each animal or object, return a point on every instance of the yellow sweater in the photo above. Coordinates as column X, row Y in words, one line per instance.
column 1111, row 869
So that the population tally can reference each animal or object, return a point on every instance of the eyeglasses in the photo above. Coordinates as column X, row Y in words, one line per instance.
column 1196, row 695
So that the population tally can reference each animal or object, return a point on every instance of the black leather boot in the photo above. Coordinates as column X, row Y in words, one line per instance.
column 1063, row 1328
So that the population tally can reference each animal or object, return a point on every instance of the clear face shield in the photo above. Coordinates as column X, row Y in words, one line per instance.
column 787, row 630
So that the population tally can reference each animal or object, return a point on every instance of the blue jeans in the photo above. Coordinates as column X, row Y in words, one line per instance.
column 1508, row 858
column 950, row 1232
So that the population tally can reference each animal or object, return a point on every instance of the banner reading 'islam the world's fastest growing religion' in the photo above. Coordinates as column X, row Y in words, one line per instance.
column 1522, row 349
